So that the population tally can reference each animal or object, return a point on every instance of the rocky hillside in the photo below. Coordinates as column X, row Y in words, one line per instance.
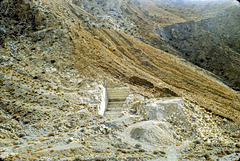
column 57, row 57
column 212, row 43
column 216, row 26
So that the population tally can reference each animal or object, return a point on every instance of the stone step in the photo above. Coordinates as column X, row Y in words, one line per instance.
column 118, row 93
column 116, row 98
column 114, row 109
column 119, row 98
column 115, row 104
column 112, row 92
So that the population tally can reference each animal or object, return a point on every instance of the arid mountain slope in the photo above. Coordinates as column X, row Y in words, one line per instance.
column 216, row 29
column 114, row 53
column 212, row 44
column 126, row 58
column 56, row 58
column 129, row 59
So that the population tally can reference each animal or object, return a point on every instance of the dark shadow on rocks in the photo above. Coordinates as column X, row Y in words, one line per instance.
column 139, row 81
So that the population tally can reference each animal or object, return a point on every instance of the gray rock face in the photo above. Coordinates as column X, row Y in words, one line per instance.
column 212, row 44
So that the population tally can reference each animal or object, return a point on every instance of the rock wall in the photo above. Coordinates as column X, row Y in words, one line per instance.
column 19, row 4
column 104, row 101
column 21, row 18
